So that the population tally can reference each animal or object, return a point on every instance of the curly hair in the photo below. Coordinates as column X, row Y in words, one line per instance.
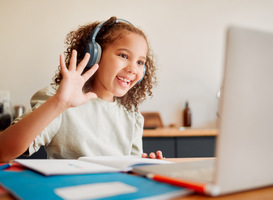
column 110, row 32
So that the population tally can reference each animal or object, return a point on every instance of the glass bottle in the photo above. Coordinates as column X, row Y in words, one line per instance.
column 187, row 115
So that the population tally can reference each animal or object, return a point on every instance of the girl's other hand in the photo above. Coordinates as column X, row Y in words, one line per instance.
column 152, row 155
column 70, row 92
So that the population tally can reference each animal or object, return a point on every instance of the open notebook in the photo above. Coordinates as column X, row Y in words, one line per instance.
column 87, row 165
column 244, row 146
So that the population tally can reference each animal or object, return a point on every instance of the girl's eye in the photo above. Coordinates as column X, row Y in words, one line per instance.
column 140, row 62
column 123, row 56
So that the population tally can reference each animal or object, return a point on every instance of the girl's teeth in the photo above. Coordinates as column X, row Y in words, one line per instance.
column 123, row 79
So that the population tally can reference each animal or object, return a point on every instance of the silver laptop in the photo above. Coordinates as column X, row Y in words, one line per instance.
column 244, row 146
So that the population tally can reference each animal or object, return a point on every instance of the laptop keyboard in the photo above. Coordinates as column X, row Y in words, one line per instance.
column 198, row 171
column 204, row 175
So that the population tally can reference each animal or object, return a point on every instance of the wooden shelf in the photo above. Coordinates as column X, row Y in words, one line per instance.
column 176, row 132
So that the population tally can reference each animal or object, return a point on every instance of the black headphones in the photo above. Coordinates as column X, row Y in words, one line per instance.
column 94, row 49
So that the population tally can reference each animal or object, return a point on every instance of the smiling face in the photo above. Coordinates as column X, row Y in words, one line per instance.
column 121, row 66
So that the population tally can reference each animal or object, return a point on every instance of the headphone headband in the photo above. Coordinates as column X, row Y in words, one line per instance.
column 98, row 27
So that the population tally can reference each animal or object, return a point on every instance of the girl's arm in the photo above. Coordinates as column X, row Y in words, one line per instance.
column 16, row 139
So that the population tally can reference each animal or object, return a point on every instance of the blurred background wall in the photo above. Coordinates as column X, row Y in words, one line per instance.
column 187, row 38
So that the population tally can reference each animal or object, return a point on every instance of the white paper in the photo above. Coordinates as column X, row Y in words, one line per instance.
column 124, row 163
column 95, row 190
column 64, row 166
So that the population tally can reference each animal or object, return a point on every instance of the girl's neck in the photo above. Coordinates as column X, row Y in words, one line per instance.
column 102, row 93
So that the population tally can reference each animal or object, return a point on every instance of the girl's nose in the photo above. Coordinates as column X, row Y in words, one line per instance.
column 131, row 68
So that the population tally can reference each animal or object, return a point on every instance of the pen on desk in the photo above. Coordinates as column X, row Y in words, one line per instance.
column 5, row 166
column 197, row 187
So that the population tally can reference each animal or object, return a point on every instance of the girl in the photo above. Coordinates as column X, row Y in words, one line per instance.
column 89, row 112
column 86, row 113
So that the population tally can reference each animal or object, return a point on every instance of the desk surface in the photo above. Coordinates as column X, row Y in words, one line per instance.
column 258, row 194
column 179, row 132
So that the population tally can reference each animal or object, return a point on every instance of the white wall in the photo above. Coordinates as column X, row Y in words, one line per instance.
column 187, row 37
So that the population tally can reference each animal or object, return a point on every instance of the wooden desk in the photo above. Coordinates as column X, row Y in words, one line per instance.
column 258, row 194
column 176, row 132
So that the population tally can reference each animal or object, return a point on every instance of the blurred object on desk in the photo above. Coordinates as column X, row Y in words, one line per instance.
column 19, row 110
column 5, row 116
column 152, row 120
column 5, row 121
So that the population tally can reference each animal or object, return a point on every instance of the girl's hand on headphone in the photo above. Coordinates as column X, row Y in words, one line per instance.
column 70, row 92
column 152, row 155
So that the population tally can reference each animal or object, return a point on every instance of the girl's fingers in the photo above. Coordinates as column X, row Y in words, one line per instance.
column 73, row 60
column 62, row 64
column 152, row 155
column 83, row 63
column 90, row 72
column 144, row 155
column 159, row 155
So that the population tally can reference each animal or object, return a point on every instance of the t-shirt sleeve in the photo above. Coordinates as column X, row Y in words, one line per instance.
column 45, row 137
column 137, row 148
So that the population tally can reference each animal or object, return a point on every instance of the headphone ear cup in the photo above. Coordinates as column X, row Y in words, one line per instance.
column 98, row 53
column 92, row 48
column 143, row 74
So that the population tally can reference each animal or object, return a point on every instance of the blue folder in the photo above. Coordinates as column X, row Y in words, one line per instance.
column 28, row 184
